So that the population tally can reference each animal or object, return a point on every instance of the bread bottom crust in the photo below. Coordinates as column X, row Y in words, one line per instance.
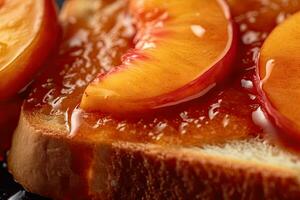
column 53, row 165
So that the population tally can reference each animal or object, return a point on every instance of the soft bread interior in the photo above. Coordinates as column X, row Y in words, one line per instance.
column 42, row 158
column 255, row 150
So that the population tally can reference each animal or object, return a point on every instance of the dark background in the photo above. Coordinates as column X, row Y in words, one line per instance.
column 10, row 190
column 60, row 2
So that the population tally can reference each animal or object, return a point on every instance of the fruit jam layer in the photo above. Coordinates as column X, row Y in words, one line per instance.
column 97, row 33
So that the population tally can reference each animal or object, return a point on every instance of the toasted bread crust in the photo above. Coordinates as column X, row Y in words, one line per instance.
column 48, row 164
column 46, row 161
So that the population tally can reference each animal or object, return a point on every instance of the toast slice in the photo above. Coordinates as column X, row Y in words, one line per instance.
column 205, row 149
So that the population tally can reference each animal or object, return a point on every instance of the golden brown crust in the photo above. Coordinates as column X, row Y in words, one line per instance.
column 47, row 162
column 56, row 166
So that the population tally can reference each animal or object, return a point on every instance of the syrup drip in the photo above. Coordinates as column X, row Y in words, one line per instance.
column 260, row 119
column 269, row 68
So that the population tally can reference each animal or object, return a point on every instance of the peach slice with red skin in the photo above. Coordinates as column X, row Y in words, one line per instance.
column 28, row 33
column 182, row 50
column 279, row 77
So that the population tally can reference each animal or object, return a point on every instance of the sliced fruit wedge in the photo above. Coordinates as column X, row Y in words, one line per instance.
column 279, row 76
column 182, row 50
column 28, row 33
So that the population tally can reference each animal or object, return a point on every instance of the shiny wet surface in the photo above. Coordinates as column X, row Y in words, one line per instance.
column 227, row 113
column 94, row 42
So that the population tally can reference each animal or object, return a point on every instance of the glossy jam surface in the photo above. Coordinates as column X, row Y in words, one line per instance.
column 95, row 39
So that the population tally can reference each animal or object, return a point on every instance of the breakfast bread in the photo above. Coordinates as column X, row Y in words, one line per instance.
column 48, row 163
column 61, row 152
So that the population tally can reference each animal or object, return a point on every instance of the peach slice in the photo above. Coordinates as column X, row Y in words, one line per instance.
column 279, row 76
column 182, row 50
column 28, row 33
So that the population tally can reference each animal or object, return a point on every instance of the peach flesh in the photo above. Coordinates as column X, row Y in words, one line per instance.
column 175, row 58
column 279, row 72
column 28, row 34
column 205, row 122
